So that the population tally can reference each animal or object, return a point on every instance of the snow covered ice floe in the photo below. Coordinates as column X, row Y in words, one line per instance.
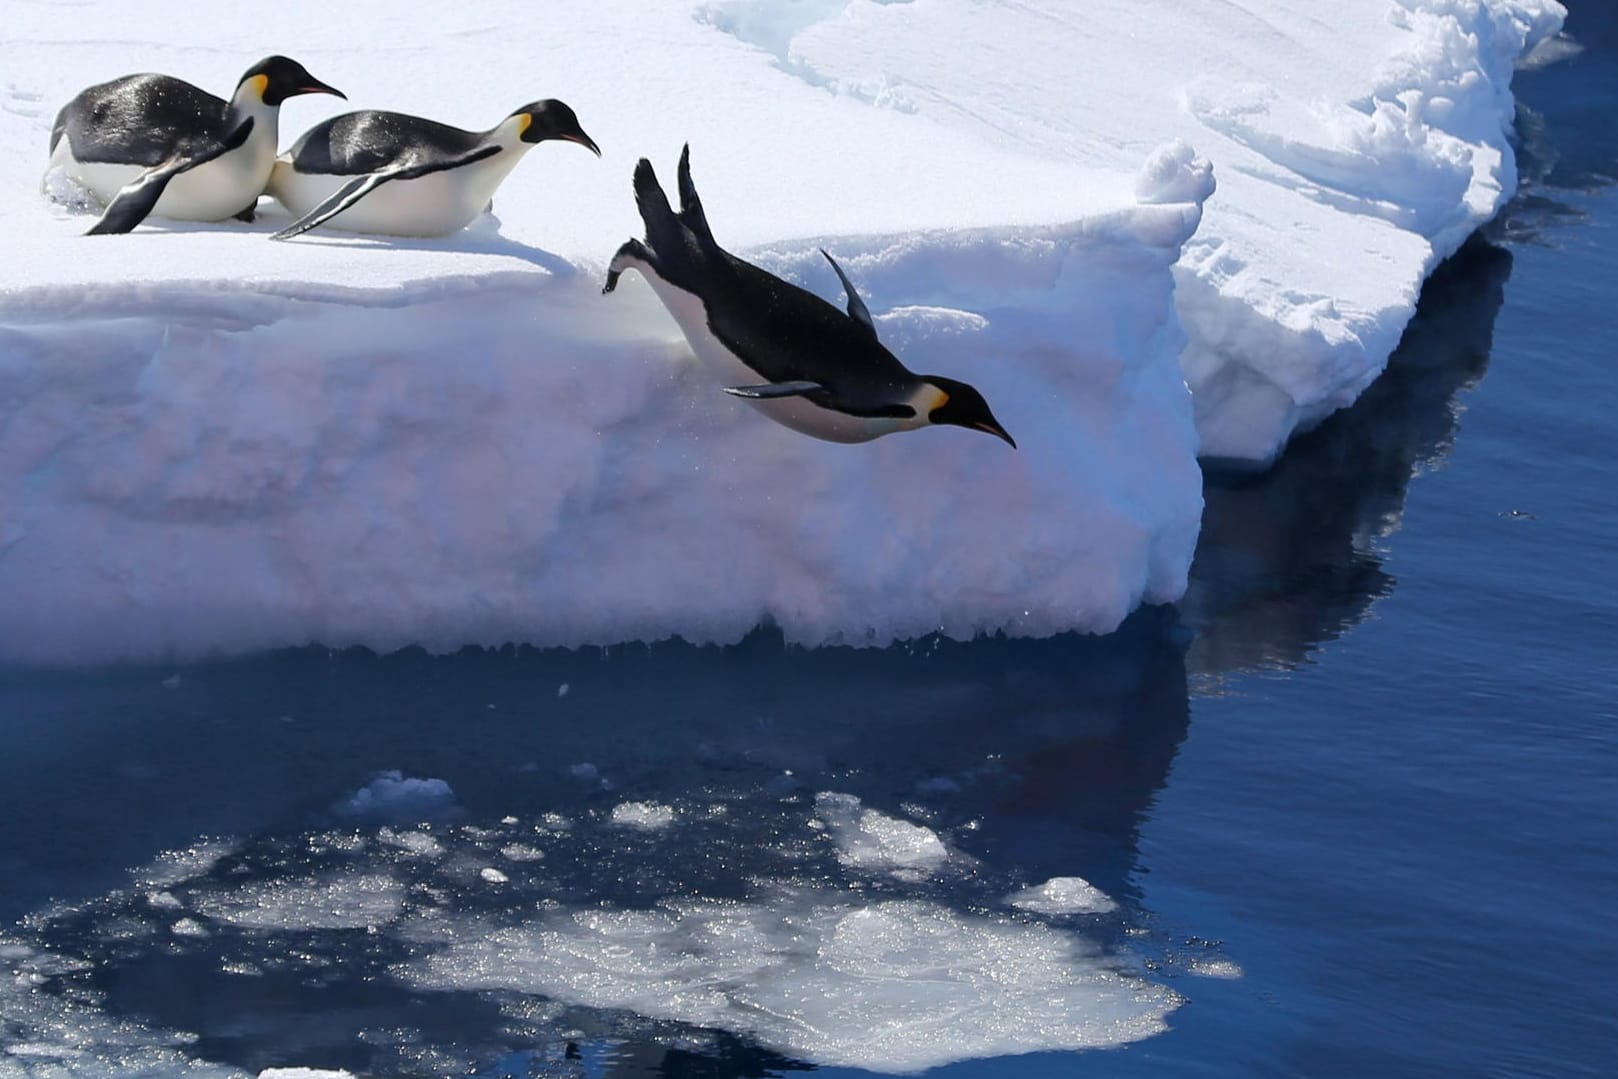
column 211, row 443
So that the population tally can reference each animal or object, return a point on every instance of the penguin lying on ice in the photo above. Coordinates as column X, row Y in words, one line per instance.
column 437, row 178
column 800, row 360
column 154, row 144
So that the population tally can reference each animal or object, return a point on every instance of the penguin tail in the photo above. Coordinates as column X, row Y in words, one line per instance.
column 691, row 214
column 58, row 129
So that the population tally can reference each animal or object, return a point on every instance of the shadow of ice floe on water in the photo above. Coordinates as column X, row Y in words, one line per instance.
column 1292, row 558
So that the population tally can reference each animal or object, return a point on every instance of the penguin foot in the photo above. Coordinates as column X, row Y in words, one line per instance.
column 248, row 215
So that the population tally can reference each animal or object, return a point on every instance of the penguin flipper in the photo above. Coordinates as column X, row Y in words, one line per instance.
column 356, row 189
column 336, row 203
column 135, row 202
column 771, row 390
column 856, row 306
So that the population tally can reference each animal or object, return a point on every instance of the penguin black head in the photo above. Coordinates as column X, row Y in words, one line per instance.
column 280, row 78
column 964, row 406
column 552, row 119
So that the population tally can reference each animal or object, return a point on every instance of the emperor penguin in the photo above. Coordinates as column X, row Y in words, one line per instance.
column 798, row 359
column 399, row 175
column 154, row 144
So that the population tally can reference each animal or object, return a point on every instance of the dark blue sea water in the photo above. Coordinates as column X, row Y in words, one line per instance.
column 1370, row 762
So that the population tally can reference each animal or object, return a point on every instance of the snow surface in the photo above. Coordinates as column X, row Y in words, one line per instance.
column 210, row 443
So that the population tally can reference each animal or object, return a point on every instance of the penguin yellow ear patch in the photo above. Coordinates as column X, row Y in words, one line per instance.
column 261, row 83
column 524, row 121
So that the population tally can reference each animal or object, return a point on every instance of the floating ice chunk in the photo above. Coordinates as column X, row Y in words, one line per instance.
column 491, row 875
column 416, row 844
column 867, row 839
column 177, row 866
column 1216, row 968
column 304, row 1073
column 1063, row 895
column 521, row 852
column 391, row 796
column 899, row 986
column 553, row 822
column 334, row 902
column 648, row 815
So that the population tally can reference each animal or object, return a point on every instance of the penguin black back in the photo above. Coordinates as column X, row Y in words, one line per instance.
column 138, row 119
column 360, row 142
column 782, row 331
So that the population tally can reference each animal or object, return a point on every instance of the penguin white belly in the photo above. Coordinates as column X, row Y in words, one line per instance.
column 212, row 191
column 431, row 205
column 797, row 413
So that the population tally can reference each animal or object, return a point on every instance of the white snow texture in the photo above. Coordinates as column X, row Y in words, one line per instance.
column 210, row 443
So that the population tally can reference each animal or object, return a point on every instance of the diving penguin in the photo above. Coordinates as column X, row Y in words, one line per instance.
column 801, row 361
column 437, row 177
column 154, row 144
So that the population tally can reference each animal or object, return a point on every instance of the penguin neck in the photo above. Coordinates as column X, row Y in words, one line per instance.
column 507, row 135
column 248, row 101
column 491, row 171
